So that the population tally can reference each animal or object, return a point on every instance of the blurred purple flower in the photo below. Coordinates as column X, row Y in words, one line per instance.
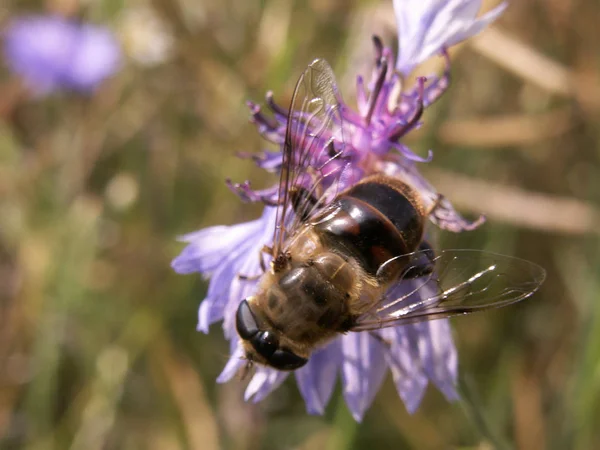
column 51, row 53
column 417, row 353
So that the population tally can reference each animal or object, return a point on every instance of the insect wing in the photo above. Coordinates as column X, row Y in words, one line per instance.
column 459, row 282
column 313, row 146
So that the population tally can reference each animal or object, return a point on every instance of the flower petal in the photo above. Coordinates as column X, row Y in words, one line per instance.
column 425, row 27
column 248, row 265
column 317, row 378
column 406, row 367
column 411, row 156
column 429, row 345
column 470, row 27
column 233, row 366
column 239, row 289
column 208, row 247
column 226, row 252
column 220, row 293
column 264, row 381
column 210, row 311
column 363, row 369
column 439, row 355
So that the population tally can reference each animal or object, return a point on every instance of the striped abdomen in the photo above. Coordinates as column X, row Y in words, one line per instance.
column 373, row 222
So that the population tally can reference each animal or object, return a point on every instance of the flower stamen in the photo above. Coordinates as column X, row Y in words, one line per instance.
column 382, row 66
column 402, row 129
column 437, row 88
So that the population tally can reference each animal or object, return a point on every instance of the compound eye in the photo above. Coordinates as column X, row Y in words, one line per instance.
column 265, row 343
column 245, row 322
column 286, row 360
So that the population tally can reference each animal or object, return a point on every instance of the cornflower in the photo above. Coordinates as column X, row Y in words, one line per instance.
column 386, row 111
column 51, row 53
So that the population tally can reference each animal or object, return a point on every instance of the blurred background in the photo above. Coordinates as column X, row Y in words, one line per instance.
column 98, row 348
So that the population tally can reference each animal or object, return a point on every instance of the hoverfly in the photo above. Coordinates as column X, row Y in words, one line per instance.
column 343, row 240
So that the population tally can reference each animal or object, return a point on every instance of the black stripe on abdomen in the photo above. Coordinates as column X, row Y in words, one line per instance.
column 358, row 229
column 394, row 205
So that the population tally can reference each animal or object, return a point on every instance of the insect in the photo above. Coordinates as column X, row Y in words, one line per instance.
column 342, row 247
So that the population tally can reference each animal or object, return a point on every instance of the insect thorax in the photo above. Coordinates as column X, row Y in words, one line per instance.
column 309, row 302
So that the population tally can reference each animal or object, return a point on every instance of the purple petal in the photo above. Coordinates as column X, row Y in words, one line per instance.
column 468, row 28
column 439, row 355
column 363, row 371
column 246, row 194
column 208, row 247
column 210, row 311
column 317, row 378
column 248, row 264
column 238, row 290
column 410, row 388
column 411, row 156
column 270, row 161
column 447, row 218
column 420, row 351
column 224, row 252
column 406, row 367
column 218, row 294
column 427, row 26
column 233, row 366
column 264, row 381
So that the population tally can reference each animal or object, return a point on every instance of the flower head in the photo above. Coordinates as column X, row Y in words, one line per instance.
column 416, row 354
column 51, row 53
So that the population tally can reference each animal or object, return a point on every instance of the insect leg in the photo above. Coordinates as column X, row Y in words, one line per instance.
column 388, row 346
column 269, row 251
column 248, row 277
column 245, row 370
column 263, row 266
column 385, row 342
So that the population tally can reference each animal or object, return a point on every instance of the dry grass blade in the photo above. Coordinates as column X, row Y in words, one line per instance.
column 517, row 206
column 524, row 61
column 516, row 129
column 198, row 419
column 274, row 28
column 528, row 416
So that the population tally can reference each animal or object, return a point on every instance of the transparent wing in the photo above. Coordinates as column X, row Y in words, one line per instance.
column 457, row 282
column 313, row 150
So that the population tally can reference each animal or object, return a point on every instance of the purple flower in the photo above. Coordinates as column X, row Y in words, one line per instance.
column 416, row 354
column 51, row 53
